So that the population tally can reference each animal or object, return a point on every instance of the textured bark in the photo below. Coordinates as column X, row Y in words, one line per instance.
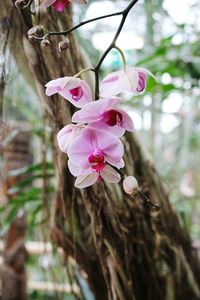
column 16, row 154
column 134, row 252
column 13, row 274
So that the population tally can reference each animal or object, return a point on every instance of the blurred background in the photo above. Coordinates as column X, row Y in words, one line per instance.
column 162, row 36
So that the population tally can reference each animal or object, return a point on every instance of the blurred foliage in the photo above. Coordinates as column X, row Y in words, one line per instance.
column 26, row 195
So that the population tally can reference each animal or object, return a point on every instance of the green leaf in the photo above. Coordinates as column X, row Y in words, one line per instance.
column 30, row 169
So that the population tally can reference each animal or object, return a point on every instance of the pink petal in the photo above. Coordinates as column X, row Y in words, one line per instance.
column 121, row 164
column 114, row 83
column 84, row 181
column 79, row 1
column 47, row 3
column 116, row 130
column 143, row 70
column 138, row 78
column 54, row 86
column 110, row 175
column 77, row 83
column 67, row 134
column 67, row 86
column 128, row 122
column 133, row 80
column 74, row 170
column 92, row 111
column 91, row 140
column 103, row 114
column 51, row 91
column 116, row 163
column 59, row 82
column 77, row 171
column 82, row 147
column 64, row 137
column 111, row 146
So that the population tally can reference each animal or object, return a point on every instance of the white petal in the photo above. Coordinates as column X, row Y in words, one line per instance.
column 77, row 171
column 47, row 3
column 109, row 174
column 79, row 1
column 84, row 181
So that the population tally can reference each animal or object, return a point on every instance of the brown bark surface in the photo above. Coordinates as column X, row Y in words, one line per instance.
column 127, row 250
column 16, row 154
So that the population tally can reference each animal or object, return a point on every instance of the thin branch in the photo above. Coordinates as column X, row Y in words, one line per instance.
column 124, row 14
column 84, row 23
column 140, row 193
column 112, row 45
column 27, row 7
column 147, row 200
column 65, row 32
column 28, row 4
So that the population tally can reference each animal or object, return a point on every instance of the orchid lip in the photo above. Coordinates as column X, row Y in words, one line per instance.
column 113, row 117
column 141, row 82
column 60, row 5
column 96, row 159
column 76, row 93
column 98, row 167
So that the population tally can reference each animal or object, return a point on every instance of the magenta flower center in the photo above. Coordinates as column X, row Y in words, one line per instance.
column 113, row 117
column 76, row 93
column 96, row 159
column 60, row 5
column 141, row 82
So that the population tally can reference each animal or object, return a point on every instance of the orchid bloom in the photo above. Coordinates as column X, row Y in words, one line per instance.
column 105, row 114
column 67, row 134
column 73, row 89
column 60, row 5
column 92, row 155
column 132, row 80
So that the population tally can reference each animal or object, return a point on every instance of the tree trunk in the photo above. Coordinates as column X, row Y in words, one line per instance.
column 135, row 252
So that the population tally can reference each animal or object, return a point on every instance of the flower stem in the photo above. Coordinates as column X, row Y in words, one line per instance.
column 28, row 4
column 124, row 13
column 65, row 32
column 140, row 193
column 112, row 45
column 83, row 71
column 122, row 56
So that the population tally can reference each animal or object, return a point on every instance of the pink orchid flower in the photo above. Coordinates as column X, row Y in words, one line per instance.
column 60, row 5
column 105, row 114
column 73, row 89
column 92, row 155
column 67, row 134
column 132, row 80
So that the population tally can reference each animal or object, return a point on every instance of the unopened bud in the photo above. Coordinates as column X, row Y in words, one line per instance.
column 20, row 3
column 63, row 45
column 130, row 185
column 45, row 43
column 31, row 37
column 36, row 30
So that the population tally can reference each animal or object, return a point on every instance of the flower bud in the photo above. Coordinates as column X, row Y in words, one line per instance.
column 45, row 43
column 63, row 45
column 20, row 3
column 130, row 185
column 31, row 37
column 35, row 30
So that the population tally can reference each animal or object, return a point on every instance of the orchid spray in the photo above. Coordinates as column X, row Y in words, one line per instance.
column 92, row 142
